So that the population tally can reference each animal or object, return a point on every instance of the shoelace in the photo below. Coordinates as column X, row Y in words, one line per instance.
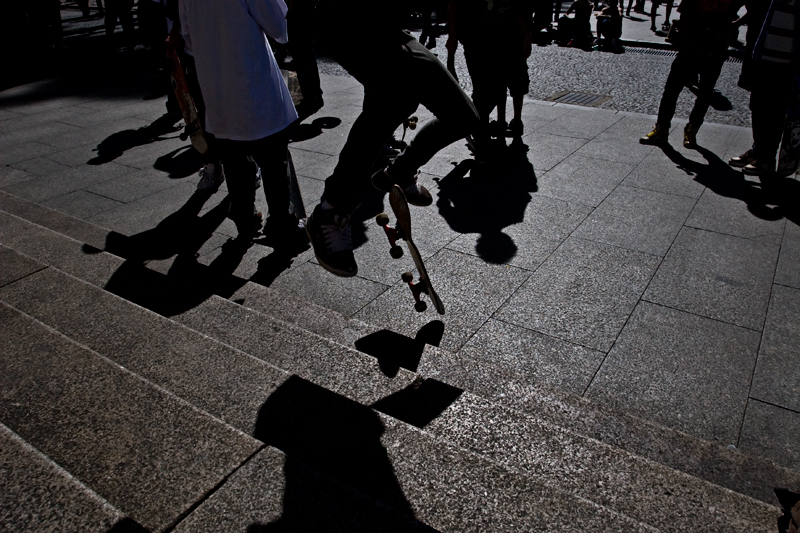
column 338, row 236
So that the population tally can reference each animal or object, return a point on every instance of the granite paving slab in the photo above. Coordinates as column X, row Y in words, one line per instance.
column 536, row 115
column 635, row 219
column 42, row 188
column 547, row 149
column 96, row 420
column 665, row 367
column 770, row 431
column 718, row 276
column 81, row 204
column 582, row 123
column 609, row 147
column 583, row 180
column 788, row 272
column 132, row 186
column 43, row 133
column 24, row 151
column 14, row 266
column 742, row 212
column 658, row 172
column 471, row 290
column 314, row 284
column 522, row 232
column 222, row 381
column 531, row 357
column 583, row 293
column 600, row 473
column 40, row 166
column 45, row 497
column 10, row 176
column 276, row 491
column 776, row 375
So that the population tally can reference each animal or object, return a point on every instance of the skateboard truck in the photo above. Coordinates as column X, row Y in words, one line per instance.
column 409, row 124
column 393, row 235
column 416, row 290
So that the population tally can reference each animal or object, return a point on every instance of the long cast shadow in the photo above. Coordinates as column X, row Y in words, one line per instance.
column 118, row 143
column 334, row 435
column 487, row 198
column 771, row 199
column 395, row 351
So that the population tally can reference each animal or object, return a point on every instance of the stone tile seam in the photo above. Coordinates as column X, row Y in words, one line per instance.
column 213, row 490
column 719, row 320
column 59, row 469
column 26, row 275
column 516, row 472
column 641, row 296
column 774, row 405
column 116, row 366
column 758, row 349
column 753, row 238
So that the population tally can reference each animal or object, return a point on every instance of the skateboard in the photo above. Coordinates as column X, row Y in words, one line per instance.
column 192, row 127
column 397, row 199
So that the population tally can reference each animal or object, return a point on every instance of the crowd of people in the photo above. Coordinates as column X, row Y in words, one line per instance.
column 248, row 114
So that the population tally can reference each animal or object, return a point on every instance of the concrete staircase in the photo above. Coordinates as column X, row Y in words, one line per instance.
column 133, row 400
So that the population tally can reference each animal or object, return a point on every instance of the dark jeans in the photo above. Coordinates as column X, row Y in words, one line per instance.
column 769, row 101
column 122, row 10
column 301, row 46
column 685, row 67
column 397, row 77
column 272, row 155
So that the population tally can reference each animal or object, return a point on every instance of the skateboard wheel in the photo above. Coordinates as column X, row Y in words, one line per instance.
column 396, row 252
column 412, row 122
column 382, row 219
column 420, row 306
column 407, row 277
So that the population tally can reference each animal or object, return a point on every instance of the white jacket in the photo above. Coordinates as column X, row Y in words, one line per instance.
column 243, row 89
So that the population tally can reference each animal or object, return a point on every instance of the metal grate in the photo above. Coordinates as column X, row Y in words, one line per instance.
column 577, row 98
column 666, row 53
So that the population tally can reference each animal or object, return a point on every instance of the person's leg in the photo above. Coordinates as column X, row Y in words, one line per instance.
column 239, row 174
column 682, row 67
column 667, row 19
column 709, row 73
column 455, row 114
column 301, row 46
column 112, row 13
column 271, row 154
column 769, row 101
column 628, row 11
column 653, row 15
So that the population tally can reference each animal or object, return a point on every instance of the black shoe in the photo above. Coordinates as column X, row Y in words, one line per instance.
column 332, row 240
column 248, row 226
column 515, row 127
column 285, row 231
column 415, row 193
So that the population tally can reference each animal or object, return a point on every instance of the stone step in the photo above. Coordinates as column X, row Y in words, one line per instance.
column 38, row 495
column 245, row 392
column 147, row 452
column 742, row 473
column 623, row 479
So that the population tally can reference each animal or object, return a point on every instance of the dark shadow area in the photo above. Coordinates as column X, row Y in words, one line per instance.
column 335, row 436
column 188, row 282
column 118, row 143
column 395, row 351
column 305, row 131
column 719, row 101
column 179, row 163
column 771, row 199
column 419, row 403
column 128, row 525
column 486, row 198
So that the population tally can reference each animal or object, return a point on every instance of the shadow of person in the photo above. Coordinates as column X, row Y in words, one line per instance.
column 182, row 233
column 118, row 143
column 338, row 437
column 305, row 131
column 723, row 180
column 486, row 198
column 179, row 163
column 395, row 351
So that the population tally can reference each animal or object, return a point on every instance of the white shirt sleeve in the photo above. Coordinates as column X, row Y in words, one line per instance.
column 270, row 15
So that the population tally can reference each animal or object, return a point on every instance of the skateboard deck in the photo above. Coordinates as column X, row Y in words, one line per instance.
column 295, row 198
column 192, row 127
column 789, row 155
column 397, row 199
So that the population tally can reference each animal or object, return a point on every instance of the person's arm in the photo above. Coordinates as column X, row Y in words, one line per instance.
column 524, row 29
column 571, row 8
column 270, row 15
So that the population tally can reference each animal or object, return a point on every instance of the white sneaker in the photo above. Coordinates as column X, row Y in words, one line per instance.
column 211, row 177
